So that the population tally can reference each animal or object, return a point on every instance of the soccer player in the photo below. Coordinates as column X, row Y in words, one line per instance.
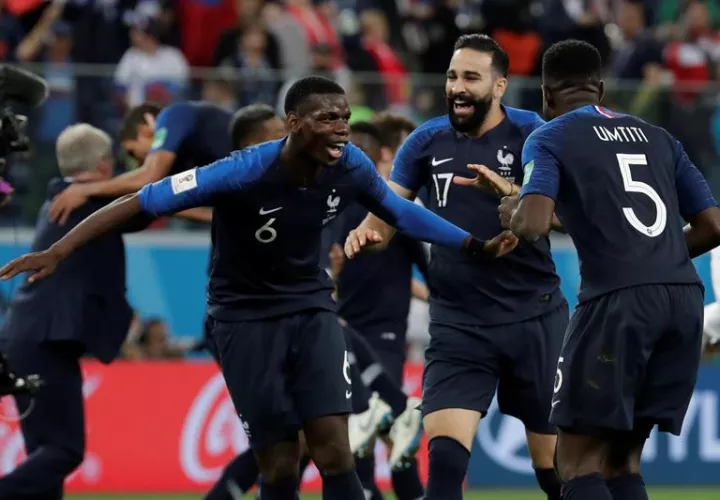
column 374, row 293
column 496, row 324
column 270, row 311
column 631, row 353
column 163, row 141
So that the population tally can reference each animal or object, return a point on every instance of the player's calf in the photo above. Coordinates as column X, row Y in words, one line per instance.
column 451, row 432
column 580, row 461
column 278, row 465
column 329, row 446
column 542, row 454
column 622, row 466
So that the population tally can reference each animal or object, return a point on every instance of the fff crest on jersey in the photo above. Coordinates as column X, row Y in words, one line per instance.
column 333, row 202
column 506, row 159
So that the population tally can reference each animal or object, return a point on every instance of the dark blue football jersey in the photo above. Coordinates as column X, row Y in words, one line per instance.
column 621, row 187
column 374, row 289
column 266, row 233
column 197, row 132
column 518, row 286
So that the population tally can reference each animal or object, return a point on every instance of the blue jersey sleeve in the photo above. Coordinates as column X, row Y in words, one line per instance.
column 199, row 186
column 409, row 170
column 409, row 218
column 693, row 192
column 541, row 168
column 173, row 125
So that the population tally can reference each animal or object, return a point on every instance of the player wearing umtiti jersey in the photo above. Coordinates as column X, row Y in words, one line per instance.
column 630, row 356
column 495, row 326
column 270, row 312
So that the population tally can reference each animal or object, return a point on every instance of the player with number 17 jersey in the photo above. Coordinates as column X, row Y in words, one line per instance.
column 620, row 197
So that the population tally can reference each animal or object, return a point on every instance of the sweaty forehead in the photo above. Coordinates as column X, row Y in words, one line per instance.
column 469, row 60
column 325, row 103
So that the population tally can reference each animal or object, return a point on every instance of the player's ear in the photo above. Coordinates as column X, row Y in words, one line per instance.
column 292, row 123
column 500, row 87
column 547, row 96
column 601, row 90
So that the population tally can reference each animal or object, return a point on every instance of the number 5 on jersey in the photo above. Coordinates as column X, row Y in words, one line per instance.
column 266, row 233
column 625, row 162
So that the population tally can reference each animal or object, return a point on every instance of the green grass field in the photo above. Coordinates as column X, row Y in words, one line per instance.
column 655, row 494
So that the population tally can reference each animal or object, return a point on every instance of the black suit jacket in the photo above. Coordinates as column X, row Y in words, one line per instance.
column 84, row 300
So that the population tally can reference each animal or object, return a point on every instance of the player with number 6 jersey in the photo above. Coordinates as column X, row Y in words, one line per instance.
column 619, row 186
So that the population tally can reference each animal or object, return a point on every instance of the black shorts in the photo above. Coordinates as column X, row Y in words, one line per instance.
column 629, row 360
column 389, row 345
column 282, row 372
column 465, row 365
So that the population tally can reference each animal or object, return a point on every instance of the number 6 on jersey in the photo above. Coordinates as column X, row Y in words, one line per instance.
column 625, row 161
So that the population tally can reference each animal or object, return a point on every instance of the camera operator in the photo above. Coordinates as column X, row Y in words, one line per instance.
column 80, row 310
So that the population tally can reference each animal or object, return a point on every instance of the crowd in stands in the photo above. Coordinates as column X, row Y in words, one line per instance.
column 101, row 57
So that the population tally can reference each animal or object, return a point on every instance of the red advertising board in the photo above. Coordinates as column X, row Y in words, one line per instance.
column 161, row 427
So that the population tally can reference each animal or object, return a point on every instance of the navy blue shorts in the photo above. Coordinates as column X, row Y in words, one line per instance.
column 389, row 345
column 629, row 360
column 282, row 372
column 465, row 365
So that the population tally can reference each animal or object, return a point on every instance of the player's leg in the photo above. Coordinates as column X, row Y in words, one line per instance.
column 602, row 365
column 667, row 382
column 54, row 430
column 459, row 382
column 320, row 385
column 239, row 476
column 525, row 389
column 253, row 356
column 404, row 435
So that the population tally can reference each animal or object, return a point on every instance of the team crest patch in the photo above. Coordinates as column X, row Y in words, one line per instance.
column 159, row 138
column 528, row 171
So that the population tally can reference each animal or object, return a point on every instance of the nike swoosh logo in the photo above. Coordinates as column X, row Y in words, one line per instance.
column 554, row 404
column 265, row 212
column 348, row 394
column 435, row 162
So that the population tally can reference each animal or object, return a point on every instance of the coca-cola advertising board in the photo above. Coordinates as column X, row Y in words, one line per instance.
column 161, row 427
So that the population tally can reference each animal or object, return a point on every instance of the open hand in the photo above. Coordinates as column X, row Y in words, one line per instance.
column 360, row 238
column 486, row 179
column 501, row 244
column 63, row 204
column 43, row 263
column 507, row 207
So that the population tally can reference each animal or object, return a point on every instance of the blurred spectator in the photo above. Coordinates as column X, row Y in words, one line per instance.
column 149, row 340
column 294, row 56
column 229, row 48
column 375, row 36
column 10, row 34
column 169, row 26
column 669, row 13
column 318, row 28
column 150, row 71
column 512, row 25
column 322, row 61
column 201, row 22
column 220, row 91
column 258, row 80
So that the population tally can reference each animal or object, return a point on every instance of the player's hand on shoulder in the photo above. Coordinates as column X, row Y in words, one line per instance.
column 501, row 244
column 508, row 205
column 361, row 238
column 486, row 179
column 43, row 263
column 63, row 204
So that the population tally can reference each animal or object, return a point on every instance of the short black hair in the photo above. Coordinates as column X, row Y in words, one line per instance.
column 306, row 87
column 483, row 43
column 571, row 63
column 368, row 129
column 392, row 128
column 136, row 117
column 246, row 121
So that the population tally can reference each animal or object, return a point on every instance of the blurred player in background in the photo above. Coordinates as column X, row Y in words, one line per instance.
column 711, row 326
column 497, row 324
column 270, row 311
column 80, row 310
column 630, row 357
column 164, row 142
column 374, row 293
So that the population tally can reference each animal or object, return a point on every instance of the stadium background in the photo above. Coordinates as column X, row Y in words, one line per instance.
column 160, row 422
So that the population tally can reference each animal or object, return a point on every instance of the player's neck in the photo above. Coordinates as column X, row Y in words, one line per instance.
column 580, row 102
column 302, row 168
column 494, row 118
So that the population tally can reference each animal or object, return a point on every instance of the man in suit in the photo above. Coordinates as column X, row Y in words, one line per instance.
column 81, row 310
